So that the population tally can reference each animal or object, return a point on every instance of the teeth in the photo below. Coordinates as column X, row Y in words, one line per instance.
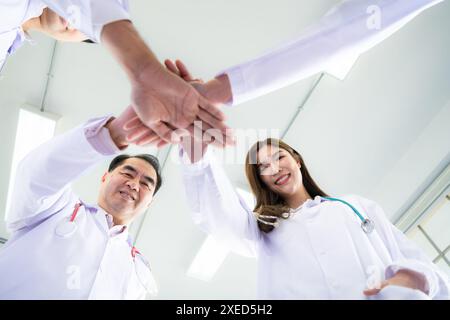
column 282, row 179
column 129, row 196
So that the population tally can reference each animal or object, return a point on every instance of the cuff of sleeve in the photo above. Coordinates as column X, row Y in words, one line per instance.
column 197, row 167
column 238, row 85
column 98, row 136
column 421, row 271
column 105, row 12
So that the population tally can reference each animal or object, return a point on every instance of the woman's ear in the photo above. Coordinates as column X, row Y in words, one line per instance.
column 104, row 176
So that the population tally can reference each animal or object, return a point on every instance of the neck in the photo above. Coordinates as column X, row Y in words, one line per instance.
column 32, row 24
column 298, row 198
column 116, row 221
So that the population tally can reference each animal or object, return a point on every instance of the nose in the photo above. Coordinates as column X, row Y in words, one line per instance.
column 274, row 168
column 133, row 184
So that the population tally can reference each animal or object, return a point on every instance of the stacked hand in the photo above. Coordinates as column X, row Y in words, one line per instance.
column 162, row 100
column 207, row 127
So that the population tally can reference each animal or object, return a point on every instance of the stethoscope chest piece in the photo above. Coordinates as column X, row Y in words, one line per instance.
column 367, row 226
column 65, row 229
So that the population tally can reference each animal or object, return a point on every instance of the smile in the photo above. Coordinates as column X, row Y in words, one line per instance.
column 126, row 196
column 282, row 180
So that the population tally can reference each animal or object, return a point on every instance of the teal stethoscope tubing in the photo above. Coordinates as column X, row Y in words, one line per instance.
column 366, row 224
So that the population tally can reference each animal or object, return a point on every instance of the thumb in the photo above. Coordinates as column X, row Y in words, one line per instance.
column 374, row 291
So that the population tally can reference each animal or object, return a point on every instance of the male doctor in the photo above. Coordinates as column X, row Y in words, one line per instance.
column 64, row 248
column 162, row 101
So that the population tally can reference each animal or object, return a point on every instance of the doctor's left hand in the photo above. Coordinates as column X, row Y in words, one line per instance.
column 403, row 278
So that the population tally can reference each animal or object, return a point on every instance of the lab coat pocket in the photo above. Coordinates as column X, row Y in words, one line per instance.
column 393, row 292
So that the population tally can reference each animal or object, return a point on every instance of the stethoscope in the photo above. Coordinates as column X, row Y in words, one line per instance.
column 366, row 225
column 67, row 227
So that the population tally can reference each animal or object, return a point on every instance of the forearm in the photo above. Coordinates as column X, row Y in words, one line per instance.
column 90, row 16
column 215, row 206
column 332, row 45
column 129, row 49
column 58, row 162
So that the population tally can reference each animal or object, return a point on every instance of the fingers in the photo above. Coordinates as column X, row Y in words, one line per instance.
column 210, row 135
column 208, row 118
column 132, row 124
column 374, row 291
column 172, row 67
column 184, row 72
column 210, row 108
column 138, row 133
column 163, row 131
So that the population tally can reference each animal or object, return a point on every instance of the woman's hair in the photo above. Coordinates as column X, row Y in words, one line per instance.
column 269, row 205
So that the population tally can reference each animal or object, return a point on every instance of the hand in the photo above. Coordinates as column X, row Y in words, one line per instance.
column 137, row 134
column 217, row 90
column 403, row 278
column 163, row 101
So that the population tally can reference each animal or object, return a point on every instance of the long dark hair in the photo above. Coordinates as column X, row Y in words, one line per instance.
column 269, row 203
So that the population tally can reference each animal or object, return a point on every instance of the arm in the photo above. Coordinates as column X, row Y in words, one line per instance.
column 332, row 45
column 43, row 177
column 408, row 260
column 161, row 100
column 216, row 207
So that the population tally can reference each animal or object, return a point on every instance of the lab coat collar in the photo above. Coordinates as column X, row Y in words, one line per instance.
column 34, row 9
column 309, row 204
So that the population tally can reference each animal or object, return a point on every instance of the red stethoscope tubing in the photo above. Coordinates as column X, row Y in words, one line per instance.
column 134, row 250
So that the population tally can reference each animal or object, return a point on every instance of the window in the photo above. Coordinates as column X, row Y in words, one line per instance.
column 33, row 129
column 427, row 222
column 212, row 253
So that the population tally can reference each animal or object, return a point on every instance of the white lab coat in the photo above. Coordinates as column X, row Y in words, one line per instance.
column 96, row 262
column 89, row 15
column 319, row 253
column 331, row 45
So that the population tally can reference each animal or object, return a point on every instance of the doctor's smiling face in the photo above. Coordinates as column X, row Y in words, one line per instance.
column 128, row 187
column 51, row 24
column 279, row 170
column 279, row 180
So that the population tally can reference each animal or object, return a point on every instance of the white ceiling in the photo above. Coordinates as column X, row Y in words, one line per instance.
column 383, row 132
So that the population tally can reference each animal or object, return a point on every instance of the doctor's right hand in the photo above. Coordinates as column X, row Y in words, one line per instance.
column 162, row 100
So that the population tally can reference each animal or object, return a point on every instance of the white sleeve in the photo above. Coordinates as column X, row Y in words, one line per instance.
column 43, row 177
column 407, row 255
column 89, row 16
column 332, row 45
column 216, row 207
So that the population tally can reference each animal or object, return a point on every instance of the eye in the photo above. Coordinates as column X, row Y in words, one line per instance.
column 127, row 175
column 145, row 185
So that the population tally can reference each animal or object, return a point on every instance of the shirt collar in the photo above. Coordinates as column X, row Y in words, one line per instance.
column 308, row 204
column 120, row 231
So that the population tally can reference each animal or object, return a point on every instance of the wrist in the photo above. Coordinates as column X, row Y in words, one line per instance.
column 129, row 49
column 116, row 133
column 223, row 88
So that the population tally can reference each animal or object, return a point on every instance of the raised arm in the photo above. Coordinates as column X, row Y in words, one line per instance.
column 332, row 45
column 44, row 176
column 215, row 205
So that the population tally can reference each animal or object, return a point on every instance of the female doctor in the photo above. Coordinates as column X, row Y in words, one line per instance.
column 308, row 245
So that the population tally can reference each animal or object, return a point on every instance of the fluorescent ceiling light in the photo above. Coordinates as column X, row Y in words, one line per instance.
column 212, row 253
column 33, row 129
